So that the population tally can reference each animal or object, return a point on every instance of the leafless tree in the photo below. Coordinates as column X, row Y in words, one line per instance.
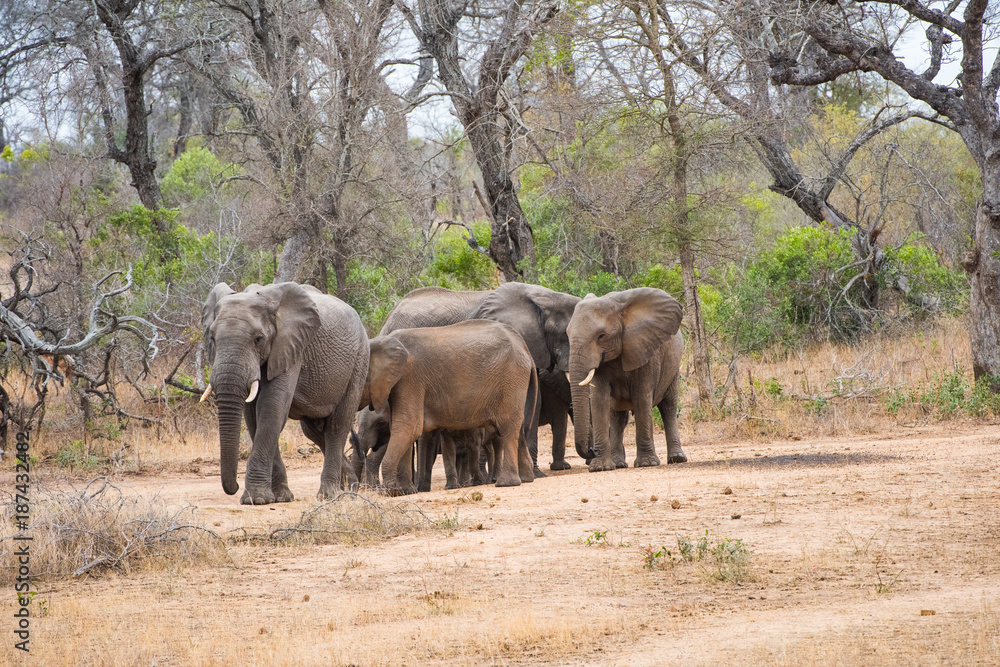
column 305, row 77
column 41, row 343
column 118, row 43
column 499, row 36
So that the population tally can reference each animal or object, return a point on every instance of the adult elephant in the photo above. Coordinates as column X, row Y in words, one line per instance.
column 279, row 352
column 474, row 374
column 627, row 347
column 539, row 315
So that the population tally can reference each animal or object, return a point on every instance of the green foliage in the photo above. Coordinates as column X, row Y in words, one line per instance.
column 925, row 276
column 455, row 265
column 75, row 456
column 373, row 292
column 724, row 560
column 773, row 388
column 193, row 176
column 597, row 538
column 947, row 395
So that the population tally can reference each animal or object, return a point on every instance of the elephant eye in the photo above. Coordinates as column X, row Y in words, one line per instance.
column 258, row 339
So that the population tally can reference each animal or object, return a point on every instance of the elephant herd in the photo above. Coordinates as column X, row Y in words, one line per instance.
column 469, row 374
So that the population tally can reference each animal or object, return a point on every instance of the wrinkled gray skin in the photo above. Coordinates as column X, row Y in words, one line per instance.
column 309, row 353
column 633, row 342
column 539, row 315
column 470, row 375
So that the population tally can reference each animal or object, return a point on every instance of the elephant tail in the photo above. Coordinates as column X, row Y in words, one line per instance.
column 531, row 401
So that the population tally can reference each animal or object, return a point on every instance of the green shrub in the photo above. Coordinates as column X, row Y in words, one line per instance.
column 193, row 176
column 457, row 266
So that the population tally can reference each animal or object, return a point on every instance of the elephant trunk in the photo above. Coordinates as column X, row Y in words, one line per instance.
column 233, row 382
column 230, row 417
column 582, row 427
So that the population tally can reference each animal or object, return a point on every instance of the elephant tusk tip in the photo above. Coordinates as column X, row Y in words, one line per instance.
column 590, row 376
column 208, row 390
column 253, row 391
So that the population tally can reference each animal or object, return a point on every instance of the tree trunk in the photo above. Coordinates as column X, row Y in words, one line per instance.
column 294, row 256
column 702, row 359
column 184, row 122
column 983, row 263
column 510, row 241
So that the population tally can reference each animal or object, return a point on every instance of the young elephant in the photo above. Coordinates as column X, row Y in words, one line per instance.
column 627, row 346
column 463, row 376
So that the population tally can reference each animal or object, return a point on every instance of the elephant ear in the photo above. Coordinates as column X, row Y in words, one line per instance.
column 208, row 314
column 651, row 317
column 385, row 367
column 296, row 320
column 557, row 310
column 512, row 304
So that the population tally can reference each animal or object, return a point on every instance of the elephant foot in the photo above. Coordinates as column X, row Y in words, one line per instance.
column 257, row 496
column 400, row 491
column 621, row 464
column 601, row 465
column 559, row 465
column 647, row 460
column 450, row 484
column 538, row 473
column 678, row 457
column 508, row 479
column 282, row 494
column 327, row 491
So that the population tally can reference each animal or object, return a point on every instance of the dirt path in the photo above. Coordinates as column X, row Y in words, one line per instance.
column 851, row 538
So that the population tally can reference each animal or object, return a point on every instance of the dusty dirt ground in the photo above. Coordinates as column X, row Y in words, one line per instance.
column 855, row 541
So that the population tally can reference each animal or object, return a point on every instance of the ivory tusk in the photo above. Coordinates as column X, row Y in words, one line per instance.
column 208, row 390
column 253, row 391
column 590, row 376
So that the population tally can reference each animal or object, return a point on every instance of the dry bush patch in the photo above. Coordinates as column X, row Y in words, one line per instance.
column 99, row 528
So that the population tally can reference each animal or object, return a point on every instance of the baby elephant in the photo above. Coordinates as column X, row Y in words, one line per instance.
column 468, row 375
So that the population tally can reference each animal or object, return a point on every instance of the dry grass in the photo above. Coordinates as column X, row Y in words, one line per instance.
column 350, row 518
column 971, row 638
column 99, row 529
column 837, row 389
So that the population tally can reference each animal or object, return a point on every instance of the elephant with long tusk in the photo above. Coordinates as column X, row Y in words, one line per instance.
column 279, row 352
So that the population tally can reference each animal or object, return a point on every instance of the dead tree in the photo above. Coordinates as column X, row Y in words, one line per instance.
column 479, row 103
column 40, row 347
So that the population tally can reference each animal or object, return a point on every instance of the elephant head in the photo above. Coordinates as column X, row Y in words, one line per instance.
column 385, row 367
column 629, row 326
column 539, row 315
column 260, row 330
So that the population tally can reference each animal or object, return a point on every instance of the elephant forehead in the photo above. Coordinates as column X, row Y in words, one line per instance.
column 592, row 312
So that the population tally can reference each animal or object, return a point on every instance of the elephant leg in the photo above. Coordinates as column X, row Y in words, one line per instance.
column 475, row 444
column 558, row 425
column 619, row 420
column 668, row 411
column 645, row 447
column 427, row 451
column 279, row 480
column 531, row 437
column 372, row 463
column 335, row 433
column 404, row 431
column 600, row 415
column 507, row 456
column 448, row 455
column 463, row 458
column 526, row 468
column 272, row 405
column 360, row 459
